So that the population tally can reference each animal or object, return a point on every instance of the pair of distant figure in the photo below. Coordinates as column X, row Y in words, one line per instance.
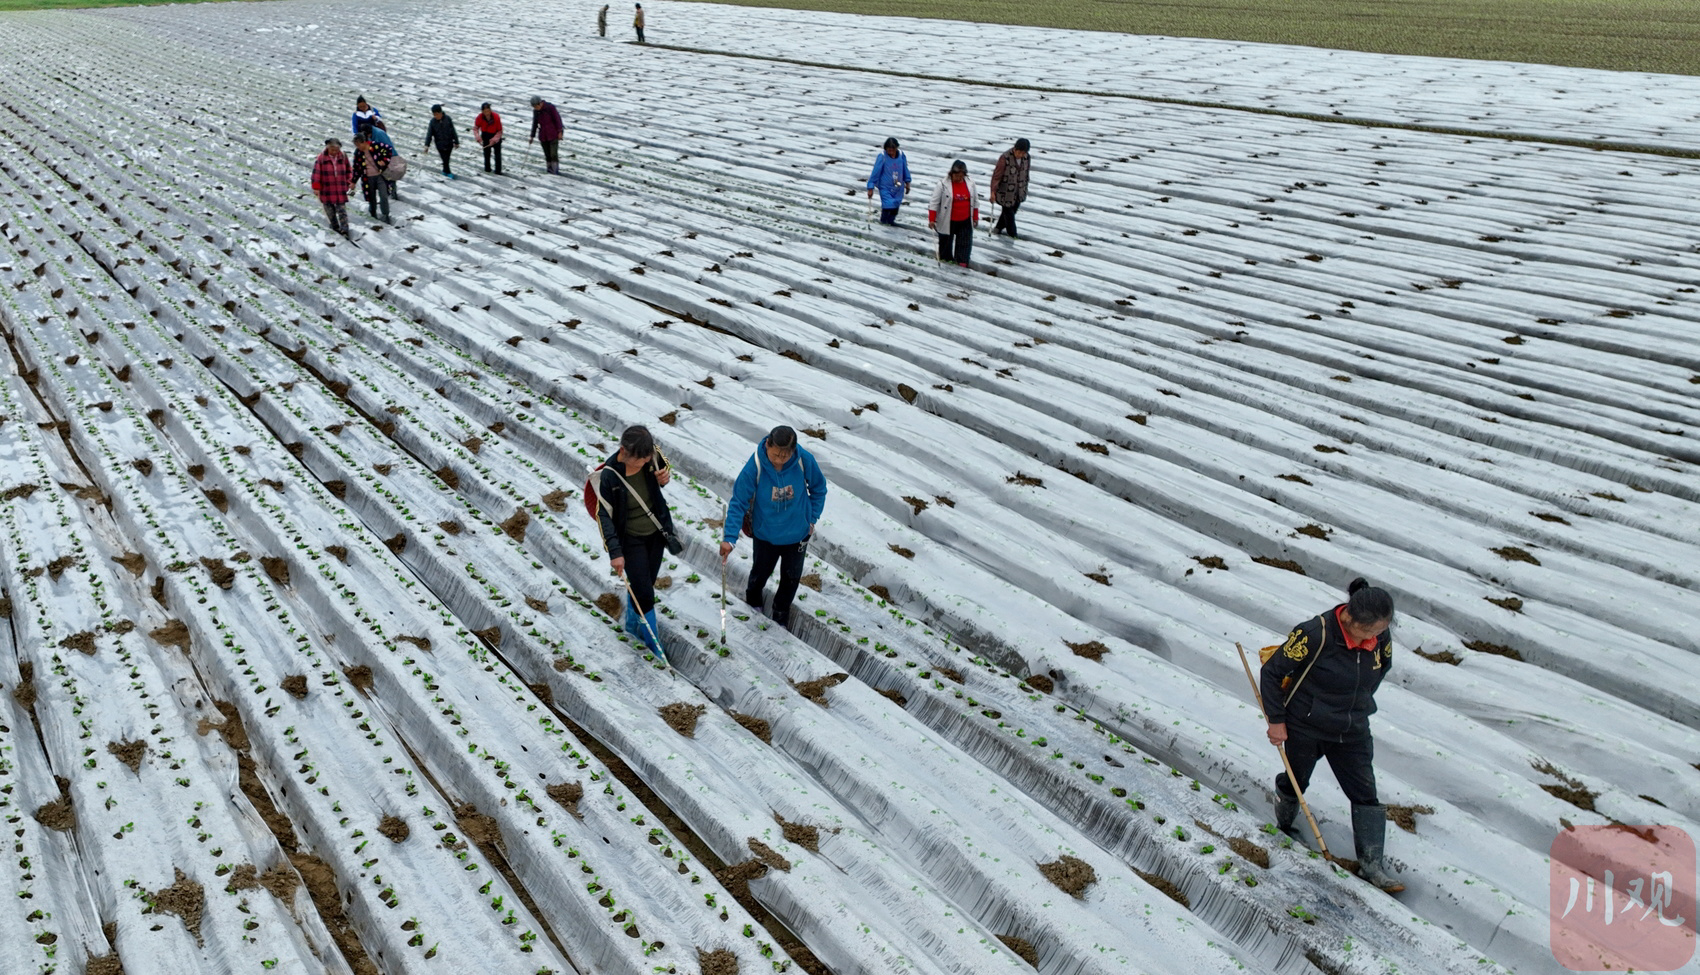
column 637, row 22
column 954, row 210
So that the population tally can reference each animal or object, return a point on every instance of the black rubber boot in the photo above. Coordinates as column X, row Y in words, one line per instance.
column 1369, row 835
column 1287, row 814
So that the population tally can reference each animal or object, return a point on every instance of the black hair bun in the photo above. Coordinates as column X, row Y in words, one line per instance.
column 1359, row 583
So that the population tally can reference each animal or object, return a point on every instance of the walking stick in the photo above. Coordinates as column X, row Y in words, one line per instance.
column 1292, row 779
column 722, row 603
column 651, row 630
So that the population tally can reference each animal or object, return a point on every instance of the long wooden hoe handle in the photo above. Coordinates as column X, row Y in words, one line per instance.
column 1292, row 779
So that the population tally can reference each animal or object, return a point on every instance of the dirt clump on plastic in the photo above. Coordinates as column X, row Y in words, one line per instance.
column 717, row 962
column 295, row 685
column 396, row 543
column 219, row 499
column 361, row 677
column 277, row 569
column 24, row 692
column 1021, row 948
column 1211, row 562
column 1497, row 649
column 482, row 830
column 1439, row 656
column 893, row 696
column 880, row 591
column 129, row 752
column 768, row 856
column 104, row 965
column 59, row 814
column 82, row 642
column 338, row 552
column 451, row 527
column 1275, row 563
column 173, row 634
column 514, row 527
column 184, row 898
column 57, row 567
column 1572, row 790
column 281, row 881
column 1092, row 650
column 755, row 726
column 223, row 576
column 540, row 605
column 610, row 604
column 555, row 501
column 394, row 829
column 682, row 717
column 815, row 690
column 951, row 674
column 807, row 837
column 811, row 580
column 132, row 561
column 422, row 642
column 568, row 795
column 1040, row 683
column 1406, row 816
column 1070, row 874
column 1251, row 851
column 490, row 634
column 448, row 476
column 1167, row 887
column 244, row 877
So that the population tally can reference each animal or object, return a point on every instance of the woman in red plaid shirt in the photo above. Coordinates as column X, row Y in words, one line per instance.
column 333, row 177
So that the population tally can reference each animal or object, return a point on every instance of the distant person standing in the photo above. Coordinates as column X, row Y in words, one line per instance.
column 333, row 177
column 637, row 23
column 442, row 132
column 602, row 21
column 953, row 212
column 891, row 178
column 488, row 127
column 547, row 128
column 783, row 492
column 1009, row 185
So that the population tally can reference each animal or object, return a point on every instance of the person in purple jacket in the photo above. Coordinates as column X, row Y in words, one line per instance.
column 783, row 491
column 546, row 127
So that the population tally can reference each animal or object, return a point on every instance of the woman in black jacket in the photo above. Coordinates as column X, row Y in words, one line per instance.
column 635, row 526
column 442, row 132
column 1318, row 692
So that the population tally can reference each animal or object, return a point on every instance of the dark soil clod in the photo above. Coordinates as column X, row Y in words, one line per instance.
column 361, row 677
column 82, row 642
column 184, row 898
column 755, row 726
column 609, row 604
column 811, row 580
column 129, row 752
column 1251, row 851
column 277, row 569
column 682, row 717
column 295, row 685
column 395, row 829
column 340, row 553
column 1497, row 649
column 900, row 550
column 555, row 501
column 482, row 830
column 568, row 794
column 1167, row 887
column 514, row 527
column 894, row 697
column 132, row 561
column 1070, row 874
column 1021, row 948
column 490, row 634
column 1040, row 683
column 1506, row 602
column 173, row 634
column 1406, row 816
column 396, row 543
column 1512, row 553
column 815, row 690
column 916, row 503
column 1211, row 561
column 807, row 837
column 1275, row 563
column 59, row 814
column 717, row 962
column 1572, row 790
column 223, row 576
column 767, row 856
column 1093, row 650
column 1439, row 657
column 540, row 605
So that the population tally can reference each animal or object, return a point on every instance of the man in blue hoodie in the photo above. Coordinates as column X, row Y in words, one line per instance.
column 782, row 491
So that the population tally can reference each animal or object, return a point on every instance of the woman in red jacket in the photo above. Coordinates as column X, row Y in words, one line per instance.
column 488, row 126
column 952, row 214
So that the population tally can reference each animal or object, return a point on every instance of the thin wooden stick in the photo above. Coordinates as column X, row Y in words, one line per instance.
column 1292, row 779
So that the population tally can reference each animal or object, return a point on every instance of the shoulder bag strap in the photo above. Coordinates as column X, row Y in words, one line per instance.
column 1313, row 659
column 639, row 498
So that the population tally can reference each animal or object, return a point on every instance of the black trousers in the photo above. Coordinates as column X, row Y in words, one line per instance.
column 640, row 34
column 643, row 554
column 493, row 149
column 377, row 192
column 1006, row 219
column 1352, row 760
column 551, row 152
column 959, row 243
column 888, row 216
column 790, row 559
column 444, row 152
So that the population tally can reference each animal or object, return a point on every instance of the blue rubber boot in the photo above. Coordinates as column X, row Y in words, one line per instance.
column 651, row 636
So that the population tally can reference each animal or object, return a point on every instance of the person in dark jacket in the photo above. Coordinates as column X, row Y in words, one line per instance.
column 784, row 492
column 442, row 132
column 333, row 177
column 547, row 127
column 1009, row 185
column 602, row 21
column 635, row 523
column 370, row 160
column 1318, row 693
column 488, row 125
column 637, row 22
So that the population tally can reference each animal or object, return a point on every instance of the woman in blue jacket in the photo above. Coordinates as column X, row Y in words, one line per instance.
column 891, row 178
column 783, row 491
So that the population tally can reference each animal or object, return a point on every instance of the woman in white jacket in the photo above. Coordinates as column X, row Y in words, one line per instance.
column 953, row 212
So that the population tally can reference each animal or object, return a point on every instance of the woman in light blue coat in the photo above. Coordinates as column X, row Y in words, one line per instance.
column 891, row 178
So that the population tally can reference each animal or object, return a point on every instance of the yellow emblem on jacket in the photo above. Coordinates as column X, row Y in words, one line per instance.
column 1297, row 646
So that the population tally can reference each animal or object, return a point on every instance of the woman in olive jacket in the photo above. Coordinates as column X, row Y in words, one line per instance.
column 1318, row 693
column 635, row 525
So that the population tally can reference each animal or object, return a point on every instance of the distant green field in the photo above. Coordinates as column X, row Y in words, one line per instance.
column 1623, row 35
column 56, row 4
